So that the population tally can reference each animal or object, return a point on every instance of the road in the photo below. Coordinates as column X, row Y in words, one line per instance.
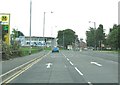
column 72, row 67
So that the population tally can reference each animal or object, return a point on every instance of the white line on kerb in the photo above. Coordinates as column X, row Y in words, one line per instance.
column 78, row 71
column 96, row 63
column 71, row 63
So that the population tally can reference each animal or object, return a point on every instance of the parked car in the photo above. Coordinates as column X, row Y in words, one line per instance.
column 55, row 49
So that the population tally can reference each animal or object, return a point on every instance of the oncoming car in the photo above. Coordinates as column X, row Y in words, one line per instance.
column 55, row 49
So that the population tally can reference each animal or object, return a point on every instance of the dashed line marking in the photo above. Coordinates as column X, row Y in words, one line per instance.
column 67, row 59
column 90, row 83
column 78, row 71
column 71, row 63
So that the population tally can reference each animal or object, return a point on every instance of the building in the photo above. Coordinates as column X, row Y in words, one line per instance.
column 83, row 45
column 37, row 41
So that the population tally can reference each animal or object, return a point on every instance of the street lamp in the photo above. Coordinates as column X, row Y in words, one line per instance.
column 44, row 27
column 94, row 24
column 95, row 31
column 30, row 25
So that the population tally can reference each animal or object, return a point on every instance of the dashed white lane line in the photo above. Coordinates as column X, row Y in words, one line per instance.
column 96, row 63
column 78, row 71
column 67, row 59
column 90, row 83
column 71, row 63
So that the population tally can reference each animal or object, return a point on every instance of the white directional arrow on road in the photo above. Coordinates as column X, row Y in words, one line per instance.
column 48, row 65
column 96, row 63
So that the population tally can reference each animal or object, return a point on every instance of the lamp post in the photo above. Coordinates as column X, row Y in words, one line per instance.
column 44, row 27
column 94, row 33
column 30, row 25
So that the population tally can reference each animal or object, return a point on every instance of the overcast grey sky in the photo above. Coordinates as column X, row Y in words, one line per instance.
column 72, row 14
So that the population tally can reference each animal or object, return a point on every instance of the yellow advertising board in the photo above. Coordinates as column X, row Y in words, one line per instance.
column 5, row 23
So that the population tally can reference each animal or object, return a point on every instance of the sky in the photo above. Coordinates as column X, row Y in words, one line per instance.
column 67, row 14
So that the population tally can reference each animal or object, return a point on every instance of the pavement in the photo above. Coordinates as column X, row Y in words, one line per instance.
column 72, row 67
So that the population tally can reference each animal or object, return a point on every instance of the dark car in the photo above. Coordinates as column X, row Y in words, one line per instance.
column 55, row 49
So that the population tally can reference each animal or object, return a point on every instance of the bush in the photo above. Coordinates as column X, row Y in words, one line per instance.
column 10, row 51
column 6, row 51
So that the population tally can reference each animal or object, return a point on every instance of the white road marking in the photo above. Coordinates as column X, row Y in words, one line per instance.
column 21, row 71
column 71, row 63
column 67, row 59
column 78, row 71
column 48, row 65
column 90, row 83
column 96, row 63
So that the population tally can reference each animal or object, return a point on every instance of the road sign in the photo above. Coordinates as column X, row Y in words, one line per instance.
column 5, row 24
column 4, row 18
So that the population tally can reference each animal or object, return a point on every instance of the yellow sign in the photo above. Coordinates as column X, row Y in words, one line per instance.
column 5, row 23
column 7, row 38
column 4, row 18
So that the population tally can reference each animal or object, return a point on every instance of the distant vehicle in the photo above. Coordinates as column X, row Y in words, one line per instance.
column 55, row 49
column 69, row 47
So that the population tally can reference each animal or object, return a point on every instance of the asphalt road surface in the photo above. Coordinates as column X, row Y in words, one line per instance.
column 72, row 67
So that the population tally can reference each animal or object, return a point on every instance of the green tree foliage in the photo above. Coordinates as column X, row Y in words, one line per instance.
column 11, row 51
column 90, row 37
column 119, row 37
column 100, row 35
column 15, row 34
column 114, row 37
column 95, row 36
column 66, row 37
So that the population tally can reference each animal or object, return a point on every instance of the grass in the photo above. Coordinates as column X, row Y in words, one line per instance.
column 114, row 51
column 48, row 48
column 25, row 50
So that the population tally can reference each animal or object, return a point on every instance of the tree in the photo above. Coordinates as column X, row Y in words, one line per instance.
column 100, row 36
column 95, row 37
column 119, row 37
column 16, row 33
column 90, row 35
column 66, row 37
column 114, row 37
